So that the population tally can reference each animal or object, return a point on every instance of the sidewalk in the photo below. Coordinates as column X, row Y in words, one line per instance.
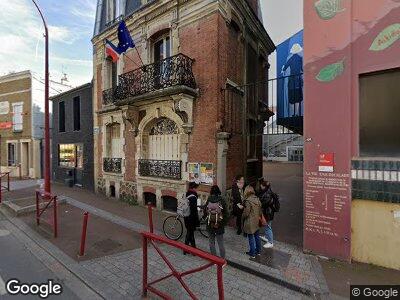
column 285, row 270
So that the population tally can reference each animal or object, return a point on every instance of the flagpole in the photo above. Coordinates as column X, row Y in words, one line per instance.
column 46, row 106
column 137, row 51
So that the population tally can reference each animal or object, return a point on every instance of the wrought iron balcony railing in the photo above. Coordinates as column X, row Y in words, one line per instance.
column 172, row 71
column 160, row 168
column 112, row 165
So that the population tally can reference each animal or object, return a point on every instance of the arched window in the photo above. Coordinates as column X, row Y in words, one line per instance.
column 164, row 140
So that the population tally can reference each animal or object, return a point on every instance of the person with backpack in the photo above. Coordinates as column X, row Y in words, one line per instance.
column 192, row 218
column 237, row 196
column 217, row 218
column 270, row 205
column 252, row 214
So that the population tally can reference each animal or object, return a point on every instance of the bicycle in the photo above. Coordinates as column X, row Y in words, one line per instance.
column 173, row 226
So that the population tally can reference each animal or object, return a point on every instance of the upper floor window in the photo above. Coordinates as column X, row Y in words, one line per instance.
column 162, row 48
column 61, row 116
column 113, row 142
column 77, row 113
column 111, row 76
column 18, row 116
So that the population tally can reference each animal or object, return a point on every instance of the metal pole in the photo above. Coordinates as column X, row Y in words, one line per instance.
column 220, row 283
column 55, row 217
column 150, row 206
column 83, row 236
column 47, row 187
column 144, row 275
column 37, row 208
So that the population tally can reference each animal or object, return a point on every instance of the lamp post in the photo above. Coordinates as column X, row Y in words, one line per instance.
column 46, row 106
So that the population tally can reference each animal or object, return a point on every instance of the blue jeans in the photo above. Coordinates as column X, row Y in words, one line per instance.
column 254, row 243
column 268, row 232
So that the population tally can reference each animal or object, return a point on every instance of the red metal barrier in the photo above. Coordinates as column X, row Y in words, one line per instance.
column 148, row 237
column 47, row 199
column 151, row 226
column 83, row 235
column 7, row 186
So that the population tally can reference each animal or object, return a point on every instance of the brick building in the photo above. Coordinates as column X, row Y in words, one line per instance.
column 72, row 136
column 159, row 125
column 22, row 122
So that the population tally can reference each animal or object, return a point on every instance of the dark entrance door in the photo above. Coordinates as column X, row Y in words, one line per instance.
column 150, row 198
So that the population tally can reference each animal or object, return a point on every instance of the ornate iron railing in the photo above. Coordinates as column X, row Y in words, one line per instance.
column 108, row 96
column 172, row 71
column 160, row 168
column 112, row 165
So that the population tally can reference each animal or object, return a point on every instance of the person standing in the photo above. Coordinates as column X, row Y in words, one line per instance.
column 217, row 217
column 192, row 221
column 237, row 195
column 251, row 217
column 267, row 201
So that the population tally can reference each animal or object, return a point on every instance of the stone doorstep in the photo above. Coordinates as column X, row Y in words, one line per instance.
column 237, row 260
column 17, row 210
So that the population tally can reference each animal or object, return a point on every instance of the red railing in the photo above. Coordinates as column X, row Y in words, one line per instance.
column 47, row 199
column 153, row 239
column 4, row 187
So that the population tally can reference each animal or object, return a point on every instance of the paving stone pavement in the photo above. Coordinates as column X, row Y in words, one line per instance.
column 123, row 271
column 302, row 270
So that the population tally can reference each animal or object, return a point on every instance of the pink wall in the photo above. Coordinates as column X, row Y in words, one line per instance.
column 338, row 46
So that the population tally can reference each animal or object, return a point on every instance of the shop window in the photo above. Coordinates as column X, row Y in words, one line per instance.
column 17, row 117
column 12, row 151
column 70, row 155
column 61, row 116
column 379, row 108
column 77, row 113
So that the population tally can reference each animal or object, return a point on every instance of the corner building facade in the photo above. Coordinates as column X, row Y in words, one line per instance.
column 161, row 113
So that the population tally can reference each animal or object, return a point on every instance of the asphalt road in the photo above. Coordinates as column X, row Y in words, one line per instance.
column 18, row 262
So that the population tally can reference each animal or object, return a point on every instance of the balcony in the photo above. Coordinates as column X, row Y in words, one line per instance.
column 171, row 72
column 160, row 168
column 112, row 165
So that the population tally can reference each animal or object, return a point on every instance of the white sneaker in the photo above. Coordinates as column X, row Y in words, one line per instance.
column 268, row 245
column 263, row 238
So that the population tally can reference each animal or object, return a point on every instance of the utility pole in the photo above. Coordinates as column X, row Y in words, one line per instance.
column 47, row 187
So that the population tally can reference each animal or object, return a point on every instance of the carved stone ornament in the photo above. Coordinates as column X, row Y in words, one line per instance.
column 131, row 116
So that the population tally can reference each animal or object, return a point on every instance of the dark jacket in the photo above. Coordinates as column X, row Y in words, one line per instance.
column 237, row 198
column 225, row 215
column 192, row 221
column 266, row 200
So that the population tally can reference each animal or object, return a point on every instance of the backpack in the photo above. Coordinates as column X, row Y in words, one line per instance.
column 183, row 209
column 276, row 205
column 214, row 214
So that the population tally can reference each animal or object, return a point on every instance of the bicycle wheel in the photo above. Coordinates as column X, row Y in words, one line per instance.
column 203, row 228
column 173, row 228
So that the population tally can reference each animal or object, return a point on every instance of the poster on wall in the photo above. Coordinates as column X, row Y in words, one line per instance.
column 194, row 171
column 4, row 108
column 206, row 173
column 5, row 125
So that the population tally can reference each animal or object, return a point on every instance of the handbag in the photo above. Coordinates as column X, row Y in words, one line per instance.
column 262, row 221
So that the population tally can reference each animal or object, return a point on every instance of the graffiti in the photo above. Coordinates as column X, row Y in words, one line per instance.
column 331, row 72
column 386, row 38
column 327, row 9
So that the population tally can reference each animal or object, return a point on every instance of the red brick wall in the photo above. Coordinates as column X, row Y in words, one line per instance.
column 130, row 152
column 199, row 40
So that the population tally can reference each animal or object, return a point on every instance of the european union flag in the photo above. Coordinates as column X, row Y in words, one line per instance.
column 124, row 38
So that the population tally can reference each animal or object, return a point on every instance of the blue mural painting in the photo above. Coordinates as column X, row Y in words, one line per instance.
column 290, row 108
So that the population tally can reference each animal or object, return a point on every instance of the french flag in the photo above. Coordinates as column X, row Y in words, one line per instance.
column 112, row 51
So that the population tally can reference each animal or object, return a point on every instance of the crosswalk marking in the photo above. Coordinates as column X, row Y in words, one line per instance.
column 2, row 287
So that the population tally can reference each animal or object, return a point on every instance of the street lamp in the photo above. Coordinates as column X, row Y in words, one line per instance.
column 46, row 106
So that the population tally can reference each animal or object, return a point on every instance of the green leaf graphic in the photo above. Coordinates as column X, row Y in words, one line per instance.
column 327, row 9
column 386, row 38
column 330, row 72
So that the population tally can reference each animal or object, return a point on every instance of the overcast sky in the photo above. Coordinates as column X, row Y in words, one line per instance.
column 282, row 19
